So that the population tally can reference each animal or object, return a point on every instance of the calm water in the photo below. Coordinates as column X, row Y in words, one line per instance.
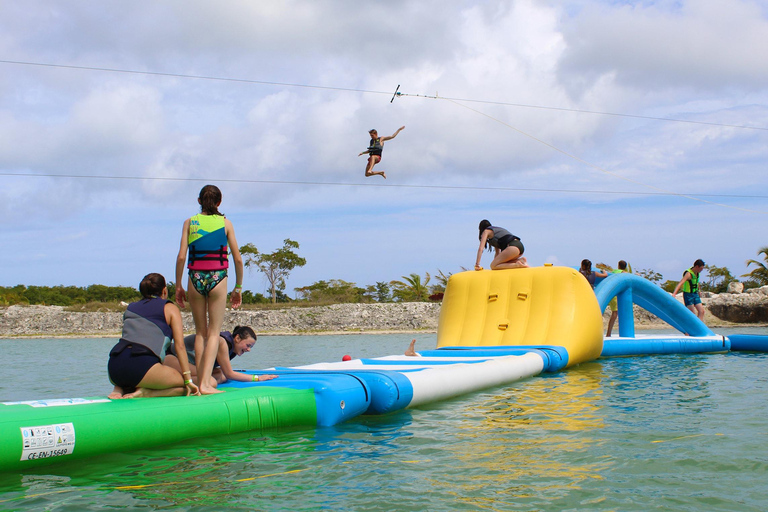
column 645, row 433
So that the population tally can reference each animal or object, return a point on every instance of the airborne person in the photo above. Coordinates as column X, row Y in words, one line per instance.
column 375, row 147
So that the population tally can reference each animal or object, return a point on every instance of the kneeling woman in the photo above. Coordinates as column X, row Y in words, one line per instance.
column 231, row 344
column 136, row 363
column 509, row 248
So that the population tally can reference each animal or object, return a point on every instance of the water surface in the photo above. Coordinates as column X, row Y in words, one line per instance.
column 673, row 432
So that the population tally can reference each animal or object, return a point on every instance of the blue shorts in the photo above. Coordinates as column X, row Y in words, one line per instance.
column 206, row 280
column 691, row 299
column 129, row 363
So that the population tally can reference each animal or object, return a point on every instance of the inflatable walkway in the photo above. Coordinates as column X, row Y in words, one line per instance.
column 35, row 433
column 629, row 289
column 495, row 328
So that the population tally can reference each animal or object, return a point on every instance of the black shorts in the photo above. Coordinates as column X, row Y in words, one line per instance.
column 128, row 364
column 511, row 241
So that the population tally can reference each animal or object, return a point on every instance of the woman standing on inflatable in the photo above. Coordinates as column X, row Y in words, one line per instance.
column 136, row 363
column 591, row 275
column 509, row 249
column 207, row 236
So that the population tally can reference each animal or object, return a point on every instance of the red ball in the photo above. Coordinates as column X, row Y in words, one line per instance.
column 346, row 357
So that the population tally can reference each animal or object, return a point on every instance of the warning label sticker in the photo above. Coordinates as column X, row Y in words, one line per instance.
column 47, row 441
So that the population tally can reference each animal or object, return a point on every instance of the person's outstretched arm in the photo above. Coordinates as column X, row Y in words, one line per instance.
column 394, row 134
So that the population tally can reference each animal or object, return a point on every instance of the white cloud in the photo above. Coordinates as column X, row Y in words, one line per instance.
column 707, row 45
column 700, row 61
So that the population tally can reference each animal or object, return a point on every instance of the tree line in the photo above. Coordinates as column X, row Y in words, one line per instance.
column 66, row 295
column 277, row 266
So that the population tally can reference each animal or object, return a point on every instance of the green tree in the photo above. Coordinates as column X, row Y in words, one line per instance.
column 335, row 291
column 172, row 290
column 760, row 273
column 66, row 295
column 11, row 296
column 254, row 298
column 101, row 293
column 276, row 266
column 718, row 279
column 382, row 292
column 411, row 289
column 442, row 282
column 669, row 285
column 650, row 275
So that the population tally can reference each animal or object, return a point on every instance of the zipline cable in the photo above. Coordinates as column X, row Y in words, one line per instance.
column 377, row 185
column 397, row 93
column 582, row 111
column 597, row 167
column 366, row 91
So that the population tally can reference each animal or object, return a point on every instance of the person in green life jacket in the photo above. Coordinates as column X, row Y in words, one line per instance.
column 375, row 147
column 690, row 286
column 614, row 304
column 208, row 237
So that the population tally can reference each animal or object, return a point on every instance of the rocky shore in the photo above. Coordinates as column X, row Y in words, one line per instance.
column 725, row 309
column 48, row 321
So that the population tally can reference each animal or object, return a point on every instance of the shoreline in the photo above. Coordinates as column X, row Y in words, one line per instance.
column 259, row 334
column 638, row 328
column 36, row 322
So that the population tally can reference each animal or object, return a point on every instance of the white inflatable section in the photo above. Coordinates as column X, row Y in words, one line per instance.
column 446, row 381
column 369, row 364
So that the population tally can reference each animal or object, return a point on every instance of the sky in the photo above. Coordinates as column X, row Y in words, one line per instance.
column 590, row 129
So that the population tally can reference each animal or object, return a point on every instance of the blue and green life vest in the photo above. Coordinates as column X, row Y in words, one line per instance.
column 207, row 243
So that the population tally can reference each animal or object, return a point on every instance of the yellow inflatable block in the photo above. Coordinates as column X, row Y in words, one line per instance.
column 527, row 306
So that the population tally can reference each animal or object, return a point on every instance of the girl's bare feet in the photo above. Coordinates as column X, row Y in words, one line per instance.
column 207, row 390
column 139, row 393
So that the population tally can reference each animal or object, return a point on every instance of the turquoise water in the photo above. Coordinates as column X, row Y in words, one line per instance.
column 677, row 432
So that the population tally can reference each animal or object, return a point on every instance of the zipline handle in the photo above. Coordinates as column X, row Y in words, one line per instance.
column 396, row 94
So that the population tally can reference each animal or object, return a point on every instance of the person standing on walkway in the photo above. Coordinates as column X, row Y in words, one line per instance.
column 690, row 285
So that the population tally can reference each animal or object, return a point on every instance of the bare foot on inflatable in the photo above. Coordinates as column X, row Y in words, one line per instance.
column 139, row 393
column 207, row 390
column 116, row 393
column 523, row 261
column 410, row 351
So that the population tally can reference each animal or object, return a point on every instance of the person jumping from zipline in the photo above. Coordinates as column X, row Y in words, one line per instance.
column 375, row 148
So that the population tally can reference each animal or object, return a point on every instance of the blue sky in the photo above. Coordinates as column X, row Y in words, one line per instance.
column 99, row 169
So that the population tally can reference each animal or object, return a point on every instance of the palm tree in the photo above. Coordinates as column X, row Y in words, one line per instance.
column 411, row 288
column 759, row 274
